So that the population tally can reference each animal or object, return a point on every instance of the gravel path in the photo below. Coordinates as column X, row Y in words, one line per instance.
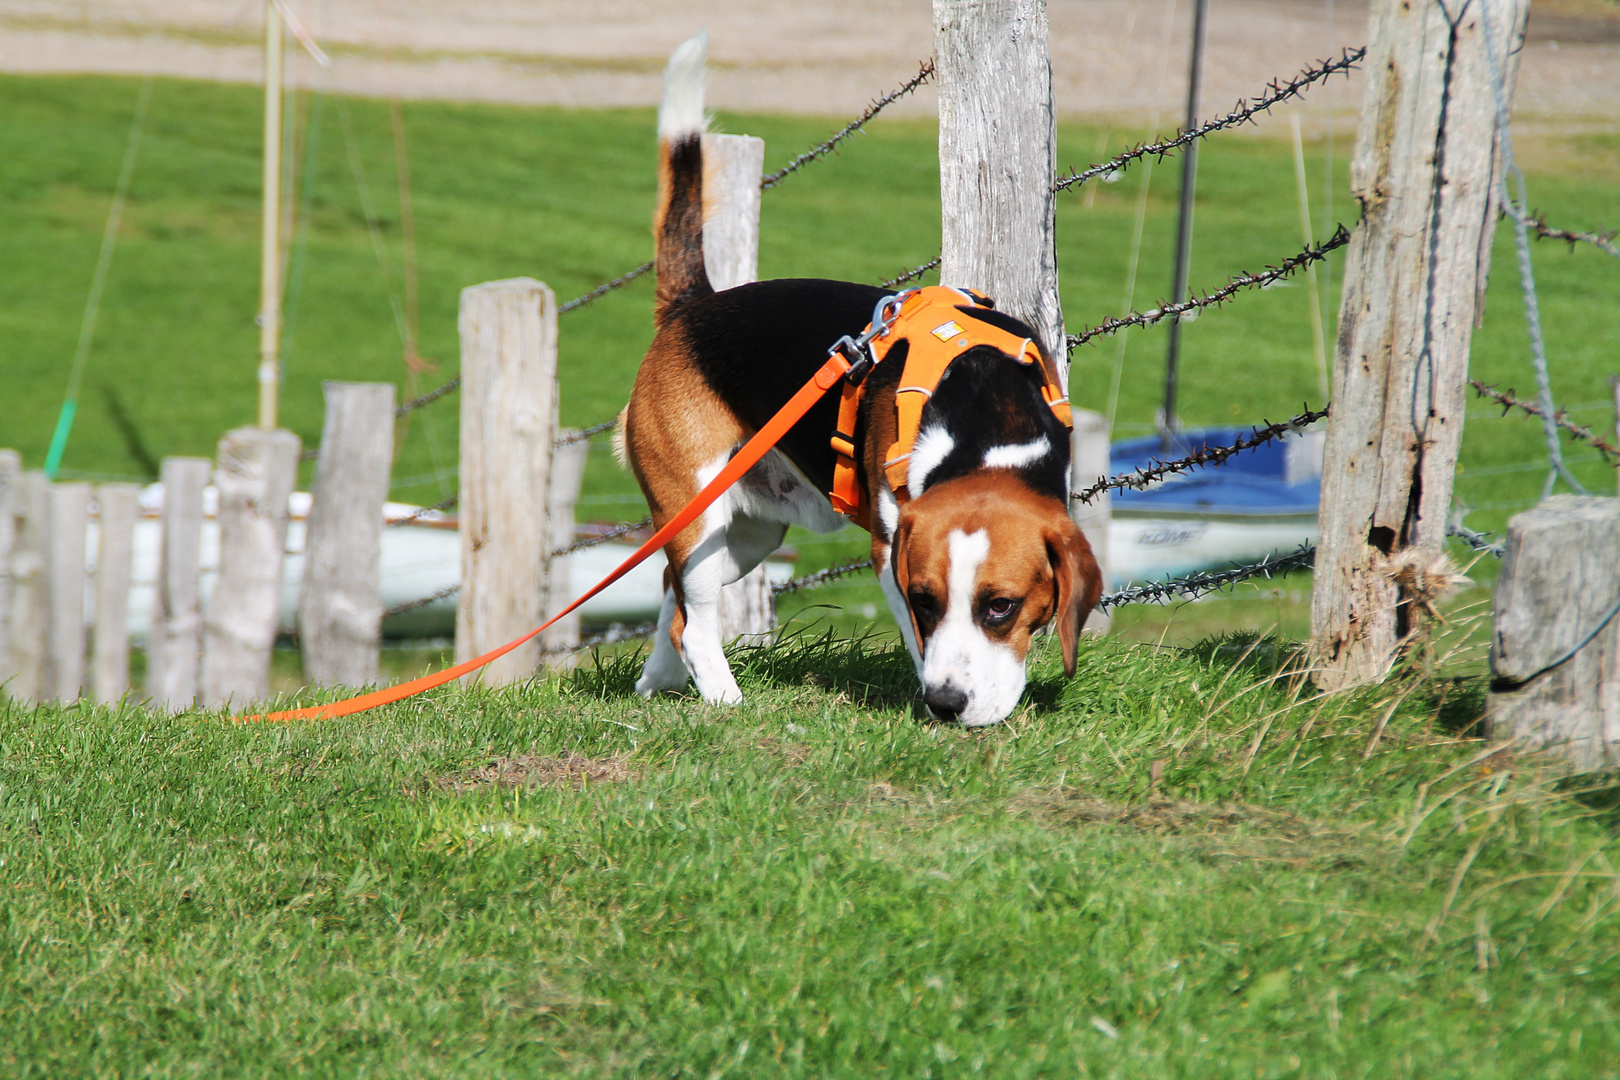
column 1122, row 58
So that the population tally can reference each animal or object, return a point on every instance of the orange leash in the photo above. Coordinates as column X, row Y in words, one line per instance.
column 746, row 458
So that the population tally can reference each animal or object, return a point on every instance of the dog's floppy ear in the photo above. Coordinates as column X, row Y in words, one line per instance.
column 899, row 562
column 1078, row 583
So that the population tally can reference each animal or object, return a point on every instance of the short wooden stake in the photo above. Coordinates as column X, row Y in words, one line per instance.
column 118, row 509
column 23, row 667
column 567, row 472
column 174, row 643
column 10, row 476
column 1555, row 654
column 732, row 166
column 67, row 527
column 997, row 159
column 255, row 476
column 1614, row 384
column 1093, row 458
column 1426, row 172
column 508, row 402
column 340, row 602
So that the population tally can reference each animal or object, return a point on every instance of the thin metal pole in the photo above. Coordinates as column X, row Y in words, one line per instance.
column 1189, row 178
column 270, row 265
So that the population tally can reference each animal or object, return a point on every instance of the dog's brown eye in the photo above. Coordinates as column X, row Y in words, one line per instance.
column 921, row 603
column 999, row 609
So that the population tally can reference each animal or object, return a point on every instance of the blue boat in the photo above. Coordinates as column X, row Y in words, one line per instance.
column 1256, row 503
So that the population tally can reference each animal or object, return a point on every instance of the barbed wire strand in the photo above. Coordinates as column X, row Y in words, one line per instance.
column 603, row 289
column 1479, row 541
column 821, row 577
column 587, row 433
column 1603, row 241
column 422, row 512
column 412, row 605
column 612, row 534
column 1242, row 113
column 1508, row 402
column 1311, row 254
column 912, row 274
column 1192, row 586
column 925, row 71
column 1203, row 457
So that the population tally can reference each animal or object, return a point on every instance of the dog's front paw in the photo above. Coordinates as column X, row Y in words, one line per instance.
column 655, row 681
column 730, row 695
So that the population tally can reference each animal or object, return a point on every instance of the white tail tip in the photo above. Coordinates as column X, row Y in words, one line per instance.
column 681, row 112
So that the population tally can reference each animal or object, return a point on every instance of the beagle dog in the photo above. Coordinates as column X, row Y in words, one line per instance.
column 975, row 551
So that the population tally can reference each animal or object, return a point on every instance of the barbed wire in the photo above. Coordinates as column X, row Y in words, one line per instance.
column 603, row 289
column 1203, row 457
column 1508, row 402
column 1313, row 253
column 1602, row 241
column 422, row 512
column 925, row 71
column 821, row 577
column 612, row 635
column 912, row 274
column 1478, row 541
column 1192, row 586
column 587, row 433
column 1242, row 113
column 602, row 538
column 412, row 605
column 428, row 398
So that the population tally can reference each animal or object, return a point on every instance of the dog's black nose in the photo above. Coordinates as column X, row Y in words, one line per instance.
column 946, row 702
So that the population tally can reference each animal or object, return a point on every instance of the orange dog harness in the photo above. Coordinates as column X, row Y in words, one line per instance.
column 939, row 331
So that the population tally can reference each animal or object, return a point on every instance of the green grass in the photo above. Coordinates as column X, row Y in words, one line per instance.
column 566, row 196
column 814, row 884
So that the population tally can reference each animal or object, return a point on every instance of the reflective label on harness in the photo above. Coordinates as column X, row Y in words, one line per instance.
column 946, row 331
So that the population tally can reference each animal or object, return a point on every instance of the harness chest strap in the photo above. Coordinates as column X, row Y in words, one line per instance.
column 939, row 331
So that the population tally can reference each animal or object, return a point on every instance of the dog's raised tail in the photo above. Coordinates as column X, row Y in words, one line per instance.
column 678, row 222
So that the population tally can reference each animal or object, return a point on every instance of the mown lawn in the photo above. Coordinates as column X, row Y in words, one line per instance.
column 1179, row 864
column 1182, row 863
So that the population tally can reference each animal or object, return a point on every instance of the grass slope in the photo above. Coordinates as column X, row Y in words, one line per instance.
column 1178, row 864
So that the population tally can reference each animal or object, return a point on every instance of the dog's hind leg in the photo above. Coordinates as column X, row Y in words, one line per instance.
column 709, row 567
column 664, row 670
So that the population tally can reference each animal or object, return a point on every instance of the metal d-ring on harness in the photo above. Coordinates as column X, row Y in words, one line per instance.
column 858, row 350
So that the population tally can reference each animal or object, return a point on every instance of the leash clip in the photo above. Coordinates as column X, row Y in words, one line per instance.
column 858, row 350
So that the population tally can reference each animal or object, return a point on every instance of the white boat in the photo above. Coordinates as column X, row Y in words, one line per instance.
column 419, row 560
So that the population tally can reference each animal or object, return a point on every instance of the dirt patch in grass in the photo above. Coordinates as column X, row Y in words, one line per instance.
column 532, row 771
column 1228, row 830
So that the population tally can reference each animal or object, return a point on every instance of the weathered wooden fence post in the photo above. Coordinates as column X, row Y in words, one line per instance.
column 340, row 601
column 67, row 526
column 997, row 163
column 24, row 665
column 174, row 642
column 508, row 402
column 568, row 457
column 1555, row 653
column 10, row 475
column 998, row 158
column 1093, row 458
column 255, row 476
column 732, row 167
column 118, row 507
column 1614, row 384
column 1426, row 174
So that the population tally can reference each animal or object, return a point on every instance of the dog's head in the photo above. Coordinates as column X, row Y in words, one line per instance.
column 984, row 562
